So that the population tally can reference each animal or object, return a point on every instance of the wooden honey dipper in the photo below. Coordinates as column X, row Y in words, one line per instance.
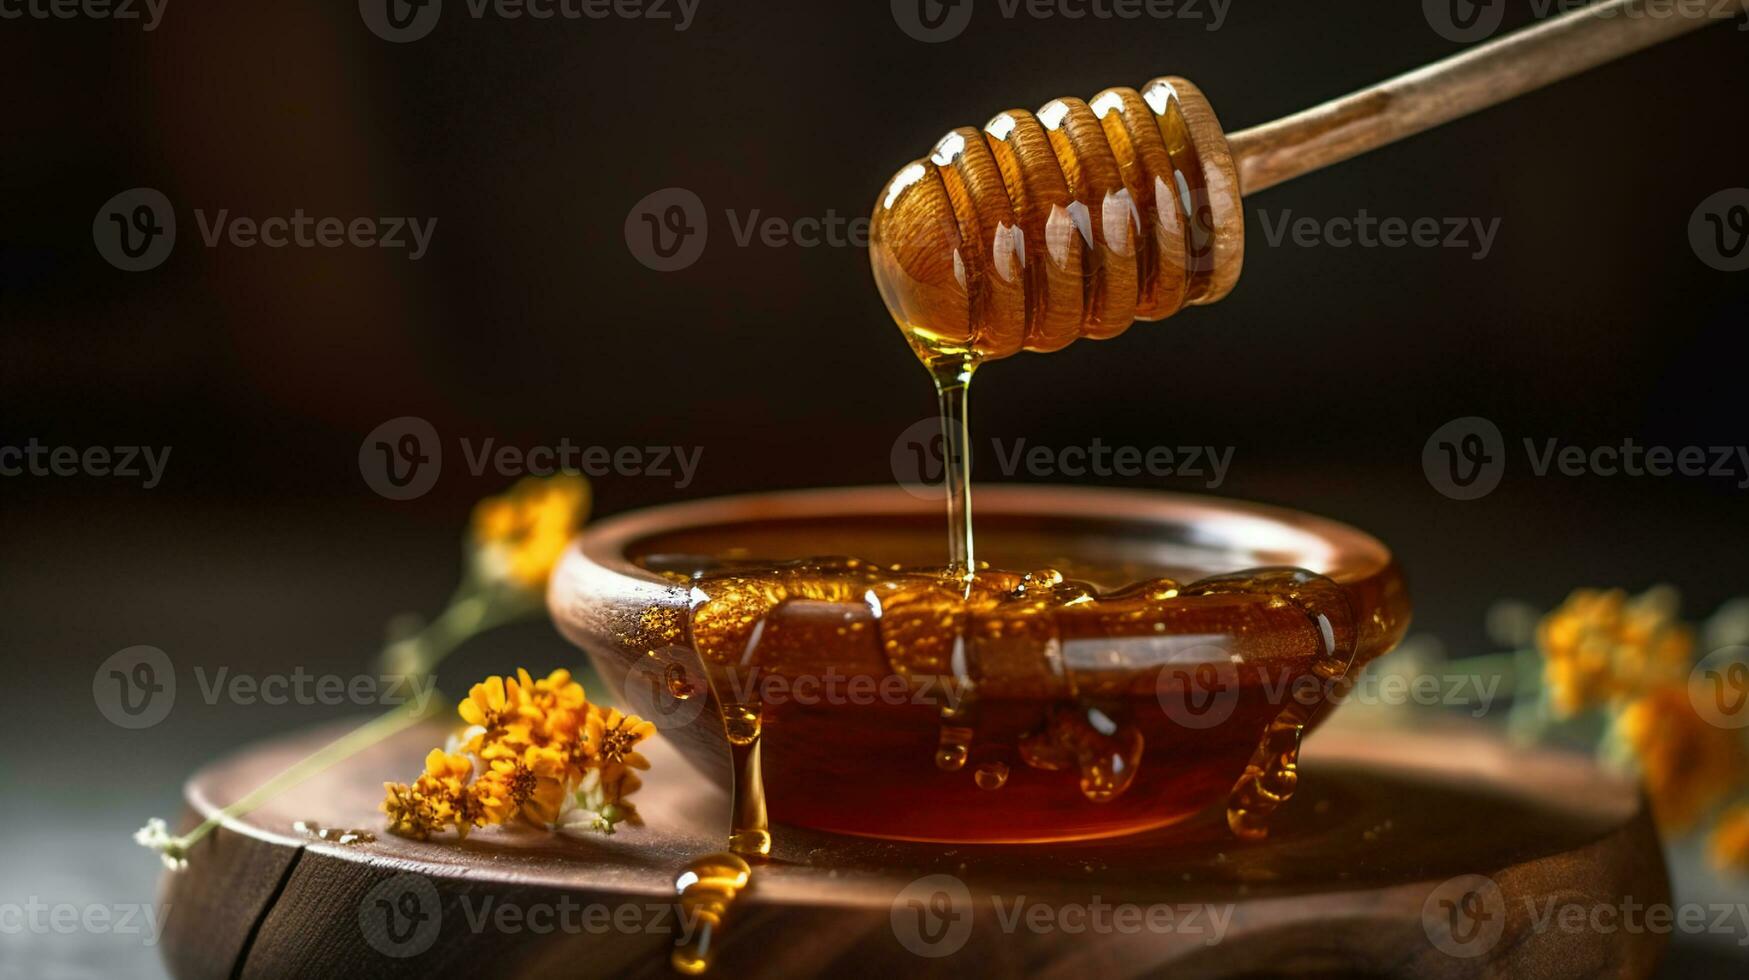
column 1075, row 221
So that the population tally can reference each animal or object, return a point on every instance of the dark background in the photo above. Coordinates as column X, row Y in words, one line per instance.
column 1592, row 320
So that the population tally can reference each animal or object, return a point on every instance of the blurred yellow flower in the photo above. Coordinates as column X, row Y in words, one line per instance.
column 1602, row 645
column 1687, row 763
column 1730, row 840
column 519, row 536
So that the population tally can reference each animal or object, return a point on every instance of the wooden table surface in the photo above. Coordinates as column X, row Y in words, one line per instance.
column 1366, row 874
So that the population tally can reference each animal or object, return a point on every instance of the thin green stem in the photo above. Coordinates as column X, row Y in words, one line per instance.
column 342, row 748
column 465, row 617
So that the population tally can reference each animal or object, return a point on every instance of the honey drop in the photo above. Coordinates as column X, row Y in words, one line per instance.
column 708, row 888
column 991, row 775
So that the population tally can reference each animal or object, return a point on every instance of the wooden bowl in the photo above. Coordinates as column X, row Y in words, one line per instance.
column 1193, row 703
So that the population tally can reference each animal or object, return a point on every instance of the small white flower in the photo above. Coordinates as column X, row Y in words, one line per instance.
column 590, row 811
column 156, row 836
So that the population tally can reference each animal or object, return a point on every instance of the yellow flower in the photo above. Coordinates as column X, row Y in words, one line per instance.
column 1603, row 645
column 498, row 711
column 614, row 737
column 518, row 537
column 556, row 691
column 411, row 814
column 1687, row 763
column 1730, row 841
column 527, row 791
column 444, row 795
column 556, row 705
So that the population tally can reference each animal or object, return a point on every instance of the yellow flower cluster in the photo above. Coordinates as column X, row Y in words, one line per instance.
column 1688, row 764
column 1631, row 654
column 535, row 750
column 1603, row 645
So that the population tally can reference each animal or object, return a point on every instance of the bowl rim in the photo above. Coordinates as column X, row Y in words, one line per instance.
column 1345, row 553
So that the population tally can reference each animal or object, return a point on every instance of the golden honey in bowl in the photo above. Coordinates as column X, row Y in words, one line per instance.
column 1122, row 689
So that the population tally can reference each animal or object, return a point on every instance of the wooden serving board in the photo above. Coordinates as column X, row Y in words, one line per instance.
column 1357, row 879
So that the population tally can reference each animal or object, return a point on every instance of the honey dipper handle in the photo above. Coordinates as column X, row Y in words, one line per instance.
column 1483, row 76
